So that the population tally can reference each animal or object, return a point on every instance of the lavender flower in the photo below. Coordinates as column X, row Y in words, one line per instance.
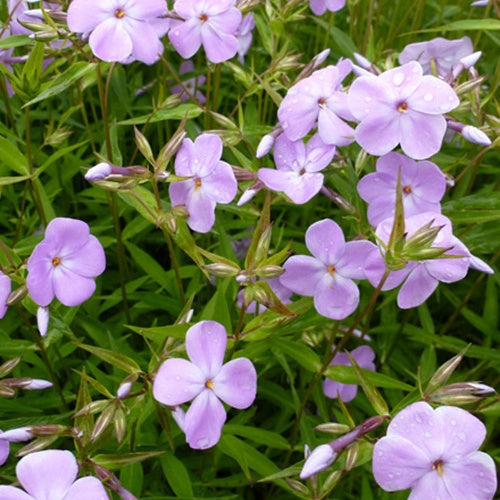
column 65, row 263
column 211, row 180
column 434, row 452
column 212, row 24
column 298, row 167
column 364, row 356
column 319, row 7
column 244, row 36
column 207, row 381
column 190, row 84
column 51, row 474
column 5, row 289
column 420, row 277
column 401, row 106
column 328, row 275
column 423, row 185
column 121, row 30
column 443, row 54
column 318, row 101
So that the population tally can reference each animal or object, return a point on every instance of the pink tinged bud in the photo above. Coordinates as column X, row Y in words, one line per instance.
column 480, row 3
column 359, row 71
column 247, row 195
column 320, row 459
column 479, row 265
column 42, row 320
column 179, row 415
column 36, row 384
column 124, row 389
column 480, row 388
column 470, row 60
column 475, row 135
column 265, row 145
column 320, row 58
column 125, row 494
column 17, row 435
column 99, row 172
column 362, row 61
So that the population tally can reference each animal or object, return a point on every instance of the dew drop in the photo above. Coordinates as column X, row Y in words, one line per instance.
column 380, row 453
column 367, row 110
column 418, row 419
column 176, row 33
column 398, row 79
column 395, row 426
column 481, row 474
column 462, row 436
column 390, row 475
column 453, row 422
column 368, row 99
column 415, row 69
column 428, row 97
column 284, row 124
column 177, row 377
column 202, row 443
column 427, row 434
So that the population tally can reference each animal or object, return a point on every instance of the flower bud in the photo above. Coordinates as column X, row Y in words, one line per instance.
column 99, row 172
column 444, row 372
column 333, row 428
column 179, row 415
column 17, row 435
column 143, row 145
column 103, row 422
column 247, row 195
column 270, row 271
column 265, row 145
column 36, row 384
column 480, row 3
column 42, row 320
column 8, row 366
column 351, row 457
column 475, row 135
column 363, row 61
column 126, row 386
column 45, row 36
column 222, row 270
column 359, row 71
column 17, row 295
column 6, row 392
column 320, row 58
column 320, row 459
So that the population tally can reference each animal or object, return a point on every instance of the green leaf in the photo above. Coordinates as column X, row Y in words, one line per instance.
column 116, row 461
column 15, row 41
column 116, row 359
column 161, row 333
column 12, row 157
column 466, row 25
column 64, row 81
column 299, row 352
column 176, row 474
column 4, row 181
column 259, row 436
column 177, row 113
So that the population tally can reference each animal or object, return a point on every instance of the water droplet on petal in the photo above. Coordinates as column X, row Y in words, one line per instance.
column 462, row 436
column 368, row 99
column 177, row 377
column 418, row 419
column 380, row 453
column 415, row 69
column 398, row 79
column 428, row 97
column 453, row 422
column 427, row 434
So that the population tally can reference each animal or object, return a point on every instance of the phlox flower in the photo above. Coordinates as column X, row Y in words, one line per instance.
column 422, row 184
column 298, row 167
column 319, row 7
column 190, row 84
column 210, row 180
column 206, row 381
column 5, row 289
column 65, row 263
column 121, row 30
column 421, row 277
column 401, row 106
column 211, row 23
column 434, row 452
column 318, row 100
column 244, row 36
column 364, row 356
column 51, row 475
column 328, row 275
column 443, row 54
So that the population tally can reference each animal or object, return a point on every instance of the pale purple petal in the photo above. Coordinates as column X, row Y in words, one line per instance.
column 302, row 274
column 185, row 37
column 201, row 211
column 318, row 6
column 320, row 459
column 4, row 451
column 417, row 288
column 277, row 180
column 429, row 183
column 12, row 493
column 473, row 477
column 448, row 270
column 304, row 187
column 431, row 485
column 70, row 288
column 336, row 297
column 221, row 185
column 325, row 240
column 139, row 9
column 177, row 382
column 48, row 474
column 67, row 234
column 421, row 134
column 333, row 130
column 398, row 463
column 228, row 21
column 180, row 192
column 370, row 96
column 236, row 383
column 380, row 133
column 206, row 344
column 88, row 261
column 5, row 289
column 219, row 46
column 352, row 263
column 42, row 320
column 297, row 114
column 39, row 279
column 206, row 153
column 404, row 80
column 110, row 41
column 146, row 47
column 463, row 432
column 418, row 424
column 184, row 160
column 319, row 154
column 287, row 153
column 433, row 97
column 87, row 488
column 79, row 20
column 204, row 421
column 346, row 392
column 364, row 356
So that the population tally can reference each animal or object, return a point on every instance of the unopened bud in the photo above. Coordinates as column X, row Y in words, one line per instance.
column 179, row 415
column 222, row 270
column 17, row 295
column 99, row 172
column 247, row 195
column 126, row 386
column 107, row 477
column 125, row 494
column 265, row 145
column 17, row 435
column 455, row 400
column 45, row 36
column 475, row 135
column 480, row 3
column 243, row 277
column 143, row 145
column 331, row 481
column 320, row 58
column 120, row 425
column 243, row 175
column 444, row 372
column 359, row 71
column 363, row 61
column 6, row 392
column 269, row 271
column 351, row 456
column 42, row 320
column 333, row 428
column 103, row 422
column 36, row 384
column 298, row 487
column 8, row 366
column 465, row 388
column 186, row 317
column 320, row 459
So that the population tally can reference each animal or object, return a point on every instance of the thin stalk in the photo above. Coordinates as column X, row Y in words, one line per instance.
column 237, row 330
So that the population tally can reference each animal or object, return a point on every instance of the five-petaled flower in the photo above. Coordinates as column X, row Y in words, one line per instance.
column 210, row 180
column 65, row 263
column 319, row 7
column 328, row 275
column 401, row 106
column 207, row 381
column 434, row 452
column 51, row 475
column 121, row 30
column 213, row 23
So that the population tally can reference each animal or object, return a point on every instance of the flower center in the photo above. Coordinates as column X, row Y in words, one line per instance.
column 331, row 270
column 322, row 102
column 209, row 384
column 203, row 18
column 197, row 184
column 438, row 466
column 403, row 107
column 56, row 261
column 119, row 13
column 407, row 189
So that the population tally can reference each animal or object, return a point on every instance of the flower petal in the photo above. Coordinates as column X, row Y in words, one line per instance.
column 221, row 185
column 80, row 21
column 219, row 46
column 67, row 234
column 430, row 485
column 39, row 279
column 86, row 488
column 48, row 474
column 206, row 344
column 204, row 421
column 110, row 41
column 417, row 288
column 145, row 41
column 336, row 297
column 12, row 493
column 184, row 160
column 398, row 463
column 304, row 187
column 352, row 263
column 177, row 382
column 206, row 153
column 4, row 451
column 421, row 134
column 201, row 211
column 186, row 37
column 334, row 389
column 379, row 133
column 368, row 95
column 236, row 383
column 297, row 114
column 364, row 356
column 302, row 274
column 325, row 240
column 333, row 130
column 433, row 96
column 89, row 261
column 404, row 80
column 70, row 288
